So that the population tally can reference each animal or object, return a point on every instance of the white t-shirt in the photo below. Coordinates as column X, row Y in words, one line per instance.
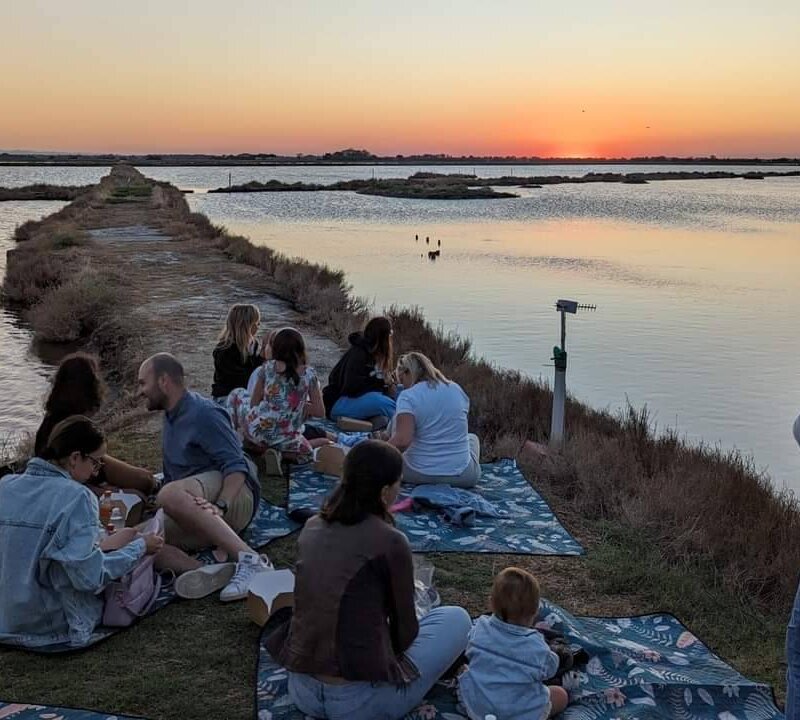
column 440, row 445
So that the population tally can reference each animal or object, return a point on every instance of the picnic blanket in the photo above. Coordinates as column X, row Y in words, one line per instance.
column 271, row 522
column 24, row 711
column 528, row 525
column 648, row 667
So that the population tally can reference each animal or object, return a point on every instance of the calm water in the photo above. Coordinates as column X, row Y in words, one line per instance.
column 205, row 178
column 23, row 376
column 697, row 282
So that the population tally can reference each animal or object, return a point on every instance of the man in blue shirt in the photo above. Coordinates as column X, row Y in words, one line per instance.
column 211, row 489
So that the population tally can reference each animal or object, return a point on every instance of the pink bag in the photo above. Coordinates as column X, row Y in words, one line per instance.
column 132, row 596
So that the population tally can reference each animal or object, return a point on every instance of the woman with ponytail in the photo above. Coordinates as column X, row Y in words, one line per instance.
column 53, row 558
column 286, row 391
column 354, row 647
column 362, row 385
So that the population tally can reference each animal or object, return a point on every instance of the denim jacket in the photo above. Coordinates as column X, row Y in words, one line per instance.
column 507, row 666
column 51, row 567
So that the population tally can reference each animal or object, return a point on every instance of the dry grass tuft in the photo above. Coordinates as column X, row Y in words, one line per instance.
column 78, row 306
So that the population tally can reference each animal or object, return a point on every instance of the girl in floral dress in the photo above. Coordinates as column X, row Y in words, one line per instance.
column 286, row 390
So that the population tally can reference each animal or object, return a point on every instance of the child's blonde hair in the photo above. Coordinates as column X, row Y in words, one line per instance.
column 515, row 596
column 240, row 328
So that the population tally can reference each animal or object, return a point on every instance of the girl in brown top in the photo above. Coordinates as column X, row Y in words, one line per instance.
column 354, row 647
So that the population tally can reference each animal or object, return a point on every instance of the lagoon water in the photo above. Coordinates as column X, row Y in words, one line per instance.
column 697, row 282
column 23, row 375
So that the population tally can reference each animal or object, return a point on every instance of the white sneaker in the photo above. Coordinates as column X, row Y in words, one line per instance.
column 249, row 565
column 195, row 584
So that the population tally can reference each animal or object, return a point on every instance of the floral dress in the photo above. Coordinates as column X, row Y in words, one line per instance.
column 277, row 421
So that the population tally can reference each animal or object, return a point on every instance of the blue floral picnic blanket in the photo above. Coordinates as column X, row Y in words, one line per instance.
column 25, row 711
column 645, row 668
column 271, row 522
column 527, row 526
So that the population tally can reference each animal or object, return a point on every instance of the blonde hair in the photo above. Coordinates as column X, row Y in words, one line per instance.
column 239, row 328
column 515, row 596
column 421, row 368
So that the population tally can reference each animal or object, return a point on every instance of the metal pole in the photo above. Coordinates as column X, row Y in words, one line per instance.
column 560, row 381
column 559, row 389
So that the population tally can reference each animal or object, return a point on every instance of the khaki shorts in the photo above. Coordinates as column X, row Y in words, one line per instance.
column 208, row 485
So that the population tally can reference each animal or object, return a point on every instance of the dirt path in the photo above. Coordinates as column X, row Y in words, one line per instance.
column 181, row 297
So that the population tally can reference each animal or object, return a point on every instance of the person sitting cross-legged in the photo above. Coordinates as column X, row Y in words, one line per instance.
column 430, row 427
column 211, row 489
column 353, row 646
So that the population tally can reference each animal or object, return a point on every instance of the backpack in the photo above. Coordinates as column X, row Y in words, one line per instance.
column 133, row 595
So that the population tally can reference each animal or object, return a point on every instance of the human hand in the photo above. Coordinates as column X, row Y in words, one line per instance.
column 153, row 543
column 117, row 539
column 207, row 506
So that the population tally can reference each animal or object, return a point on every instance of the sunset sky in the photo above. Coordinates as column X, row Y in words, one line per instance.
column 522, row 77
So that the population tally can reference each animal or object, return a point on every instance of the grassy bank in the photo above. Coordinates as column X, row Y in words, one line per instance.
column 422, row 186
column 669, row 526
column 42, row 192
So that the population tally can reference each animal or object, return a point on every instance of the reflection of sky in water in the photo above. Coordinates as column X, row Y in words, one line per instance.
column 695, row 282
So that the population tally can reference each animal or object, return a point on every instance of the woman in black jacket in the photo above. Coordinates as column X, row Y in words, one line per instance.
column 238, row 353
column 361, row 385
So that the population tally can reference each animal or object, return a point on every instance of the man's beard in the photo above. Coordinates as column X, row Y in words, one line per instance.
column 158, row 402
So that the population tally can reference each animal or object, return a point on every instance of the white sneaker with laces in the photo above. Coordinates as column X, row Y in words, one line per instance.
column 249, row 565
column 196, row 584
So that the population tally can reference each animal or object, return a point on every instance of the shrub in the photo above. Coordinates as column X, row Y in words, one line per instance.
column 78, row 306
column 30, row 275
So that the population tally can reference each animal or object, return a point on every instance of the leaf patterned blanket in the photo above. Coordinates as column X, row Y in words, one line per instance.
column 648, row 667
column 527, row 527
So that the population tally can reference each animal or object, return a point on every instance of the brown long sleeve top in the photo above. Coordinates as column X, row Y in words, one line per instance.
column 354, row 613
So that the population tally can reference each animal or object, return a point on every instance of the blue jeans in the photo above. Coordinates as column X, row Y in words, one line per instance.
column 441, row 639
column 793, row 662
column 363, row 407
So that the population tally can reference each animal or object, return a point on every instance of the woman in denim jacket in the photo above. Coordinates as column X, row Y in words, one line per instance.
column 52, row 561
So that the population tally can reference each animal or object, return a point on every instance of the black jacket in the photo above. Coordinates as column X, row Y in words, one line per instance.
column 230, row 372
column 354, row 375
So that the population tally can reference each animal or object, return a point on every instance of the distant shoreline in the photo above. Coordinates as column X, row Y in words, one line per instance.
column 23, row 160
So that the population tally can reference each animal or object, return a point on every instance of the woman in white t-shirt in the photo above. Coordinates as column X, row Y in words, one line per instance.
column 430, row 427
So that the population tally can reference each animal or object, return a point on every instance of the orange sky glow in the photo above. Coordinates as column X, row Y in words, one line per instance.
column 515, row 77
